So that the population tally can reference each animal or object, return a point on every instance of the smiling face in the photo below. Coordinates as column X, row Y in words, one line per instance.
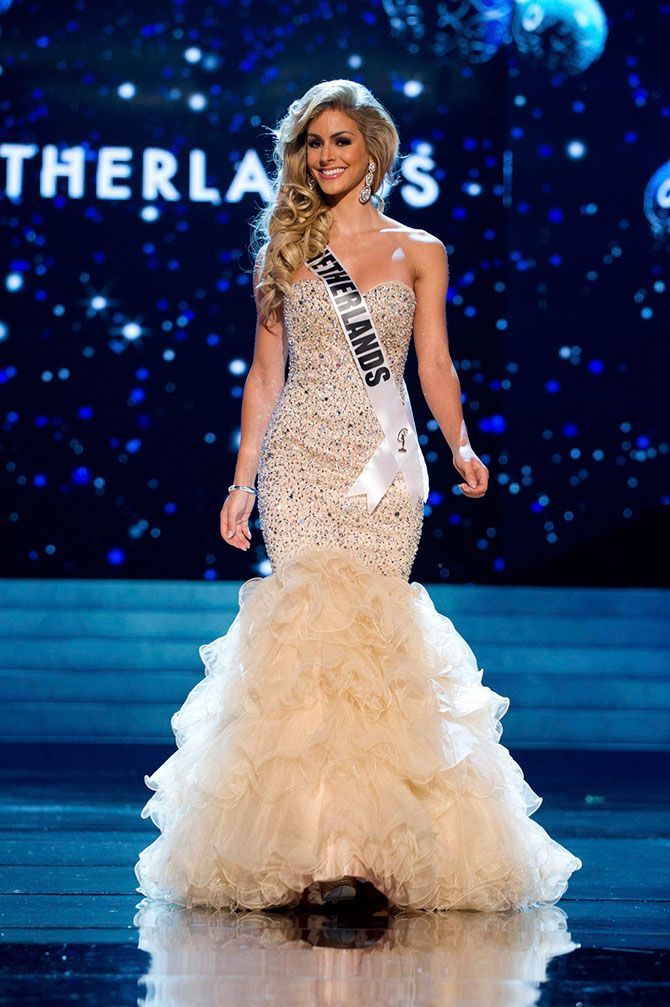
column 336, row 154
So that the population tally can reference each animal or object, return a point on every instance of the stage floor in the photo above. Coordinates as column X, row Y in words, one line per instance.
column 73, row 929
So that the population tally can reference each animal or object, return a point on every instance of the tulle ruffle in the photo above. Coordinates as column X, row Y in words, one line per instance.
column 342, row 727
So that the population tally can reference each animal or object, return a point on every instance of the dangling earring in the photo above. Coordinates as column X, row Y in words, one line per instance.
column 366, row 191
column 311, row 183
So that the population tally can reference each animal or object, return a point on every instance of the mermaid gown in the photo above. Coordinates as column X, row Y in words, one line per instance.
column 342, row 726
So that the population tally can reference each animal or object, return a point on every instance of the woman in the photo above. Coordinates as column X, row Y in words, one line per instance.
column 342, row 736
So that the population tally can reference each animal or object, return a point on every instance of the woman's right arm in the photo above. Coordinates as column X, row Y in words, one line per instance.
column 262, row 388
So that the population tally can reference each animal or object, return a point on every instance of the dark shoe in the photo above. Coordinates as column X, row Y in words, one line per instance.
column 340, row 890
column 370, row 896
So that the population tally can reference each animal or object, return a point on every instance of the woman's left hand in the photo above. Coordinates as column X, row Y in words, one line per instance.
column 473, row 470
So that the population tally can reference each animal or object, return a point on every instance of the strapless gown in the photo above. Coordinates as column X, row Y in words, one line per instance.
column 342, row 726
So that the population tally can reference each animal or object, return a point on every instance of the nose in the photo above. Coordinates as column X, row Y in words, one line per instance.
column 325, row 159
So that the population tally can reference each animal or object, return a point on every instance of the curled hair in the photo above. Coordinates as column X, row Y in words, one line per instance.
column 295, row 224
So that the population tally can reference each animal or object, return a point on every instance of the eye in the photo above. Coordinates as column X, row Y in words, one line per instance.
column 341, row 140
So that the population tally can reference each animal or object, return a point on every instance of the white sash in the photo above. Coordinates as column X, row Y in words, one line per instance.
column 399, row 449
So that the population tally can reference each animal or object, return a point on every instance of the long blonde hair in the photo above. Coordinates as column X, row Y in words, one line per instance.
column 295, row 224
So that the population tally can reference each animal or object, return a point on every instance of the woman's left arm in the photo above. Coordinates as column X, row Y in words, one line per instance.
column 438, row 376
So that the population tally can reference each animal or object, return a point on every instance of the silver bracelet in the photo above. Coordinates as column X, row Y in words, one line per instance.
column 238, row 486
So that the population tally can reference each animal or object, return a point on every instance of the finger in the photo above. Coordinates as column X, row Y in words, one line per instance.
column 238, row 542
column 470, row 476
column 481, row 475
column 471, row 491
column 239, row 539
column 229, row 533
column 243, row 529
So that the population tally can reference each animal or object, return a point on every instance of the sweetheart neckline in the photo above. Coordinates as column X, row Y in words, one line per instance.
column 376, row 286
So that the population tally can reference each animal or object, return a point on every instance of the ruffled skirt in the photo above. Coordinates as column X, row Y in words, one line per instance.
column 342, row 727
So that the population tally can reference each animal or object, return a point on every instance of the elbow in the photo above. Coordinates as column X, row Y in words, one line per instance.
column 436, row 367
column 268, row 383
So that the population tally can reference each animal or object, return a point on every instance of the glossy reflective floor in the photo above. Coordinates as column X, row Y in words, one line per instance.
column 74, row 931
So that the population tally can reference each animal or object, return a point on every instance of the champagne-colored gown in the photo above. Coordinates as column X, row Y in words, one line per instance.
column 342, row 726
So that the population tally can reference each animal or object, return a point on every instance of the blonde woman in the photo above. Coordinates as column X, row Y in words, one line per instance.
column 342, row 741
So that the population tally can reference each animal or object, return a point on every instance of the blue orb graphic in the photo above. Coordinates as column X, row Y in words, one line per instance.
column 657, row 200
column 564, row 35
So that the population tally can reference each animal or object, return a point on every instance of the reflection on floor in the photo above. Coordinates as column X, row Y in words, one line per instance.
column 73, row 930
column 205, row 958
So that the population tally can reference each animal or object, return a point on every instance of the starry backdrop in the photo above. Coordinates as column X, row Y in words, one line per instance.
column 134, row 154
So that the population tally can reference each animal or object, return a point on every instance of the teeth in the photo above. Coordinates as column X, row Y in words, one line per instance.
column 332, row 174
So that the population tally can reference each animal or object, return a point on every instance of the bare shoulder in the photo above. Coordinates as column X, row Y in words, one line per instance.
column 426, row 253
column 428, row 256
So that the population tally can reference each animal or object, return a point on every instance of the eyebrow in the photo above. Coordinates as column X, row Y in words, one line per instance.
column 333, row 134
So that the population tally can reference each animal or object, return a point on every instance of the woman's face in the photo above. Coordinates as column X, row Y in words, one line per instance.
column 334, row 141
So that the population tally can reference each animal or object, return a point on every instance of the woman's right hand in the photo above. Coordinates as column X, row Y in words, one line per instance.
column 235, row 518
